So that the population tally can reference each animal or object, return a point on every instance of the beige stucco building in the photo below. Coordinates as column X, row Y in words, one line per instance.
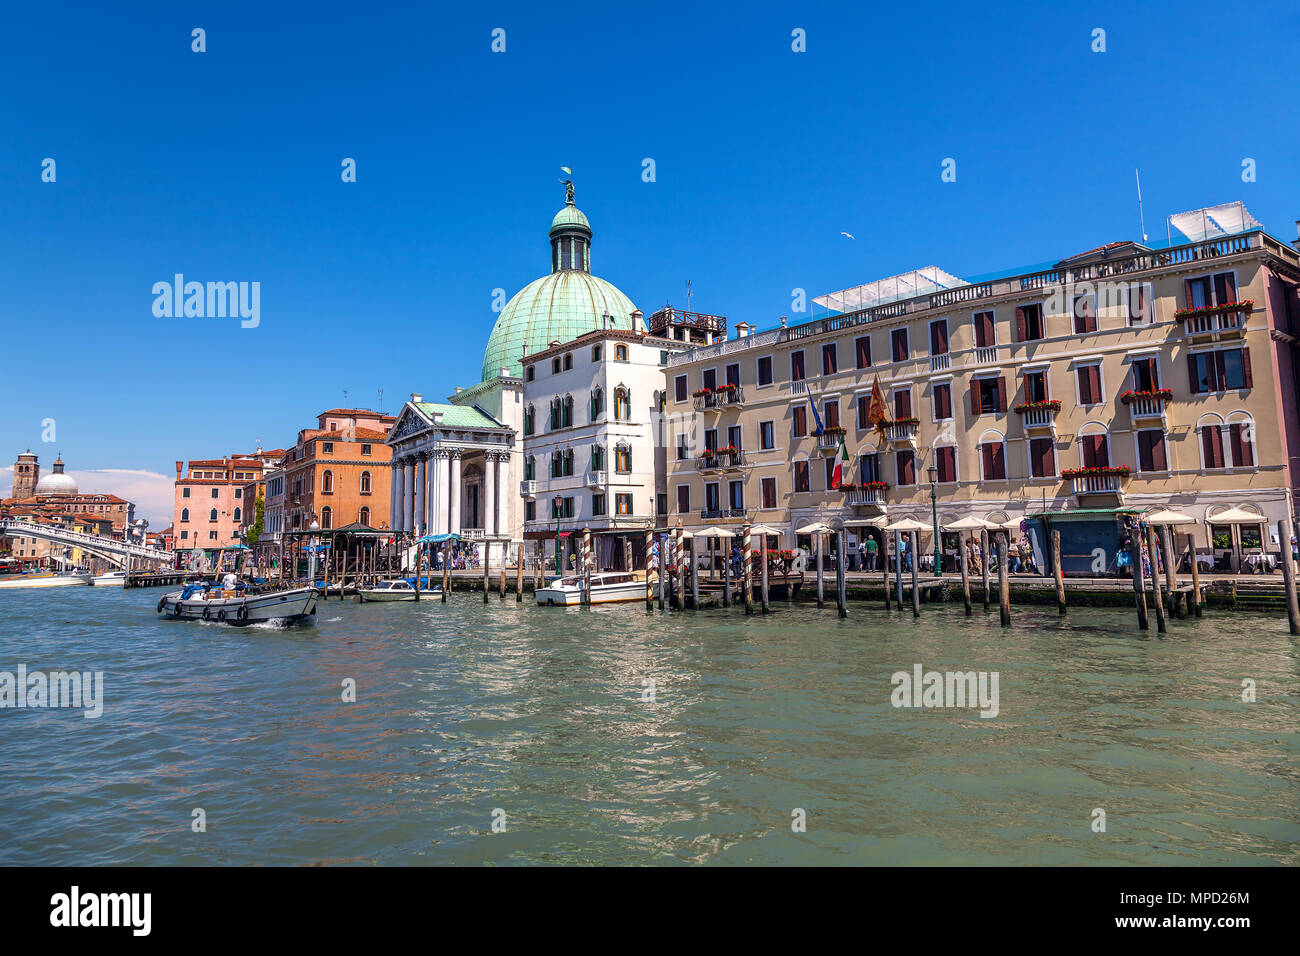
column 1169, row 374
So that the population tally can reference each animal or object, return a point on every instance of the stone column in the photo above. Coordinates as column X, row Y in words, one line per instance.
column 431, row 498
column 441, row 482
column 408, row 494
column 394, row 492
column 421, row 467
column 453, row 517
column 489, row 493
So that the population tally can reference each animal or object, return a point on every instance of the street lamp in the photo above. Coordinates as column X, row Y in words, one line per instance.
column 933, row 474
column 311, row 563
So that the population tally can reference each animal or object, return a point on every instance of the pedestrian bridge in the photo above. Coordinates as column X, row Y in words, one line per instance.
column 110, row 549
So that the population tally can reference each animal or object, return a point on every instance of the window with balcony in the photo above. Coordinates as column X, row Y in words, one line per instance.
column 767, row 488
column 710, row 378
column 862, row 351
column 597, row 458
column 985, row 330
column 830, row 359
column 801, row 482
column 902, row 403
column 797, row 373
column 766, row 435
column 1151, row 450
column 939, row 337
column 993, row 459
column 1029, row 323
column 831, row 414
column 941, row 398
column 898, row 347
column 988, row 396
column 869, row 467
column 763, row 370
column 1205, row 291
column 1088, row 378
column 712, row 497
column 1042, row 458
column 683, row 447
column 798, row 421
column 736, row 495
column 1085, row 313
column 1094, row 448
column 710, row 439
column 1145, row 374
column 1220, row 370
column 530, row 468
column 945, row 463
column 905, row 468
column 734, row 437
column 1036, row 386
column 733, row 374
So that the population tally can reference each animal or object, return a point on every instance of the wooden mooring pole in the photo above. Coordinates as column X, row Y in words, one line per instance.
column 821, row 598
column 1135, row 565
column 1004, row 584
column 984, row 563
column 586, row 566
column 726, row 573
column 964, row 546
column 898, row 568
column 649, row 585
column 916, row 572
column 765, row 597
column 487, row 581
column 747, row 568
column 519, row 574
column 1171, row 580
column 1155, row 580
column 841, row 595
column 1288, row 575
column 695, row 574
column 1058, row 573
column 1196, row 576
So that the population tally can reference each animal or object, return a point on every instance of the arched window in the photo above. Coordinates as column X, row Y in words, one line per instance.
column 364, row 517
column 622, row 404
column 597, row 402
column 212, row 515
column 365, row 482
column 566, row 414
column 1094, row 446
column 530, row 419
column 945, row 464
column 623, row 457
column 1241, row 440
column 568, row 361
column 237, row 513
column 185, row 514
column 327, row 482
column 620, row 353
column 327, row 518
column 993, row 456
column 568, row 462
column 597, row 457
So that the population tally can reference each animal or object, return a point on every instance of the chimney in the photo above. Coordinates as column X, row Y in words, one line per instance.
column 783, row 321
column 417, row 397
column 637, row 316
column 743, row 329
column 179, row 466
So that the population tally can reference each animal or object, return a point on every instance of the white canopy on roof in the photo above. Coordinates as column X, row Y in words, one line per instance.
column 1212, row 222
column 917, row 282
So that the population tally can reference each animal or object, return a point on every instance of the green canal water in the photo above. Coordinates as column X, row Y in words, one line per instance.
column 537, row 718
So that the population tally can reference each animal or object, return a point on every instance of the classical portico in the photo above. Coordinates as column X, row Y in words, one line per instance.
column 451, row 471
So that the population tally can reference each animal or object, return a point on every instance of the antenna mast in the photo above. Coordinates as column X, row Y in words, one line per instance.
column 1141, row 219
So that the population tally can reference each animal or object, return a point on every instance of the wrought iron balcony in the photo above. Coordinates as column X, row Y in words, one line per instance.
column 1146, row 404
column 1037, row 416
column 829, row 440
column 720, row 460
column 725, row 396
column 901, row 431
column 859, row 497
column 1105, row 483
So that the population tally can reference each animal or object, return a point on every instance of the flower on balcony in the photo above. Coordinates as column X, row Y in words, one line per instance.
column 781, row 555
column 1053, row 405
column 833, row 431
column 701, row 392
column 1246, row 304
column 866, row 486
column 1161, row 393
column 901, row 421
column 1121, row 471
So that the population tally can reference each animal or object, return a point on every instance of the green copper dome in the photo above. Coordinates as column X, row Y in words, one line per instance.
column 561, row 306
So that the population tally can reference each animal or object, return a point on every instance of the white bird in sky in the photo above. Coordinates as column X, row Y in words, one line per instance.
column 846, row 234
column 566, row 170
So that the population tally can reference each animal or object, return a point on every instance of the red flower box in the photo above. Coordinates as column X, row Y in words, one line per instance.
column 1132, row 396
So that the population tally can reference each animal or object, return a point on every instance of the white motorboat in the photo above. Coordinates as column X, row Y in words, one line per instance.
column 109, row 580
column 46, row 579
column 210, row 603
column 607, row 587
column 398, row 589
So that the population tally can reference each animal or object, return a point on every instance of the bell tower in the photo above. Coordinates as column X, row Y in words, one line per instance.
column 27, row 472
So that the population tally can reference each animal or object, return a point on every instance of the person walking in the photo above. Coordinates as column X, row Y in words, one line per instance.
column 869, row 553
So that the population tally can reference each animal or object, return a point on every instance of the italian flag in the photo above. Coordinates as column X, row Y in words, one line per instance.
column 841, row 459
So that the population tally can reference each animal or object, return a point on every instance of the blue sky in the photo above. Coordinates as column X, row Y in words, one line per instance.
column 225, row 166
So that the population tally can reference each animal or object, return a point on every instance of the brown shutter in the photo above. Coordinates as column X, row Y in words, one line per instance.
column 1246, row 373
column 1158, row 460
column 974, row 396
column 1187, row 293
column 986, row 452
column 1228, row 286
column 1094, row 382
column 1002, row 393
column 1020, row 323
column 1192, row 382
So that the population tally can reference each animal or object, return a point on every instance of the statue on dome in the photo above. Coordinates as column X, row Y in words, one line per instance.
column 568, row 191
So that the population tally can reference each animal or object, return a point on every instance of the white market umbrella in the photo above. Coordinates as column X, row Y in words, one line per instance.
column 908, row 524
column 1165, row 516
column 1234, row 516
column 715, row 532
column 763, row 529
column 815, row 528
column 970, row 523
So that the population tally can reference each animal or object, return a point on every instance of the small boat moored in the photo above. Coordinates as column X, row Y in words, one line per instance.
column 109, row 580
column 607, row 587
column 208, row 602
column 46, row 579
column 398, row 589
